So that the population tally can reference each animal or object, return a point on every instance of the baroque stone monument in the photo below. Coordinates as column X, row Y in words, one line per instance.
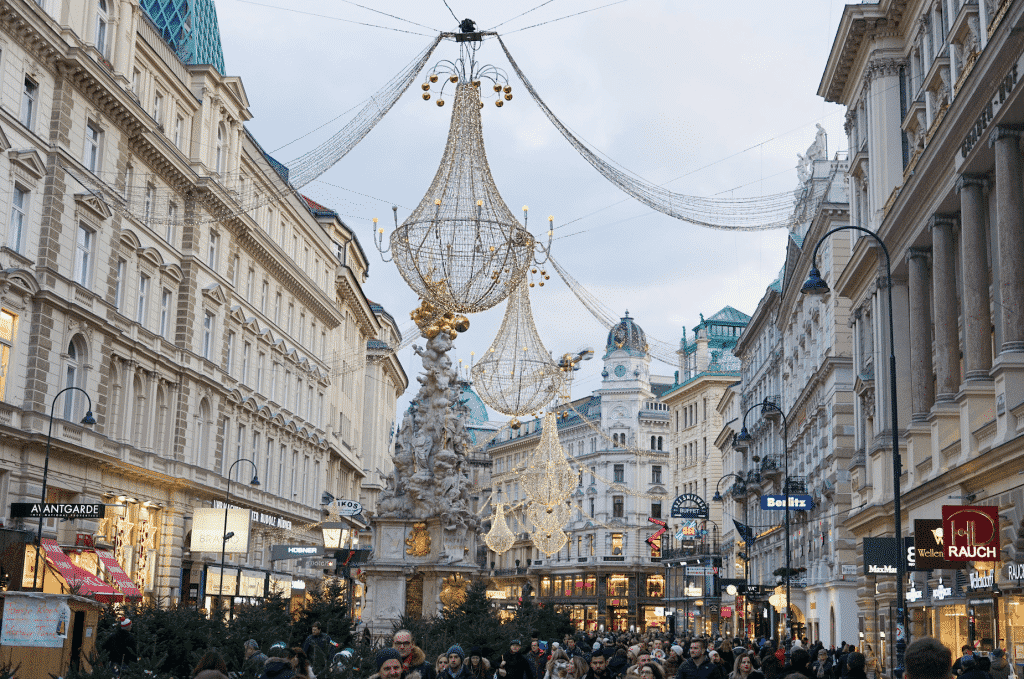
column 424, row 535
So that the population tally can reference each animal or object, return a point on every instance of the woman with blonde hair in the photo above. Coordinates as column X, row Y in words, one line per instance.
column 558, row 666
column 441, row 665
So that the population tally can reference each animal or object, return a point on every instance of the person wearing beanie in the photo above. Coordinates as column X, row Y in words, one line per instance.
column 277, row 666
column 389, row 664
column 413, row 657
column 479, row 666
column 254, row 661
column 672, row 660
column 514, row 664
column 120, row 646
column 456, row 664
column 999, row 668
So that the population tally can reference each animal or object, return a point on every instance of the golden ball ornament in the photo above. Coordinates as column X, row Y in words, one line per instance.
column 497, row 88
column 514, row 424
column 433, row 77
column 508, row 97
column 425, row 87
column 498, row 103
column 461, row 323
column 454, row 79
column 508, row 89
column 440, row 102
column 426, row 96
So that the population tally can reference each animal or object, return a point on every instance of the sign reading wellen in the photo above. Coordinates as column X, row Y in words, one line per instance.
column 928, row 539
column 970, row 533
column 208, row 530
column 56, row 510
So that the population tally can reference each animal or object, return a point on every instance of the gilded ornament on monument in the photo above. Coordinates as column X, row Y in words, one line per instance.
column 454, row 592
column 419, row 541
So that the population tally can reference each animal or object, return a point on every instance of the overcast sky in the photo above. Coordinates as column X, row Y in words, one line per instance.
column 719, row 97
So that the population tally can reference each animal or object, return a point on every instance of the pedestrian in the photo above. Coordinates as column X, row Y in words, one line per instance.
column 254, row 660
column 728, row 657
column 672, row 660
column 389, row 665
column 698, row 665
column 619, row 663
column 514, row 664
column 821, row 668
column 558, row 666
column 927, row 658
column 300, row 662
column 317, row 642
column 799, row 663
column 743, row 668
column 441, row 664
column 652, row 670
column 971, row 669
column 1000, row 668
column 479, row 666
column 211, row 666
column 965, row 652
column 599, row 665
column 456, row 664
column 412, row 656
column 856, row 662
column 120, row 646
column 538, row 657
column 277, row 666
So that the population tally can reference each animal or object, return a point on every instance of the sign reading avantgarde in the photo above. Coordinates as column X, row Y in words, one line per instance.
column 57, row 510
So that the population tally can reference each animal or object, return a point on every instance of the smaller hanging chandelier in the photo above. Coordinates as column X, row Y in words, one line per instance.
column 499, row 539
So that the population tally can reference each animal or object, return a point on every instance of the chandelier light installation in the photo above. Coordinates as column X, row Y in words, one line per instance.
column 516, row 375
column 500, row 538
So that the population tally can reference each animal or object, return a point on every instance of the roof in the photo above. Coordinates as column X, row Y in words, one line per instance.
column 317, row 209
column 730, row 316
column 190, row 28
column 626, row 336
column 376, row 344
column 381, row 311
column 276, row 165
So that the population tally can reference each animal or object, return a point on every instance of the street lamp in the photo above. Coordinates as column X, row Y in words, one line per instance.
column 718, row 495
column 816, row 286
column 227, row 498
column 88, row 420
column 743, row 439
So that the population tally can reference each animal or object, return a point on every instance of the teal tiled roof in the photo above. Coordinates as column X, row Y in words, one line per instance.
column 190, row 28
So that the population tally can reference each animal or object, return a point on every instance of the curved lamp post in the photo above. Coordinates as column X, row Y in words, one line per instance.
column 88, row 420
column 743, row 439
column 227, row 496
column 718, row 495
column 814, row 285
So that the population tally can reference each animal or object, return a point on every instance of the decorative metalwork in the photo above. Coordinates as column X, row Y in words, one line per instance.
column 419, row 542
column 461, row 249
column 500, row 538
column 485, row 78
column 517, row 375
column 453, row 592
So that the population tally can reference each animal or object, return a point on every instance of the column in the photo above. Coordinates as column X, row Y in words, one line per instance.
column 974, row 270
column 922, row 391
column 1009, row 218
column 944, row 296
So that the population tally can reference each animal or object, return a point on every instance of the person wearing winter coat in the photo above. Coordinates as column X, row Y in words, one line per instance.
column 743, row 668
column 479, row 666
column 821, row 668
column 211, row 666
column 699, row 665
column 855, row 662
column 1000, row 667
column 389, row 666
column 317, row 641
column 971, row 669
column 277, row 666
column 412, row 656
column 120, row 646
column 539, row 657
column 515, row 665
column 619, row 663
column 799, row 663
column 456, row 664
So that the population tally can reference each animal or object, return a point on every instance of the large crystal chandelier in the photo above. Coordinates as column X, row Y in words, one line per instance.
column 499, row 539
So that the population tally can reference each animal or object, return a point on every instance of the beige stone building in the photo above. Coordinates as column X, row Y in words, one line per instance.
column 156, row 259
column 934, row 118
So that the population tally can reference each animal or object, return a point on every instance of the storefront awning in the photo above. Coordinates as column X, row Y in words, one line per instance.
column 117, row 574
column 86, row 583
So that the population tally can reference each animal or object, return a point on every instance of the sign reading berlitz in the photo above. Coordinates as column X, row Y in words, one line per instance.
column 970, row 533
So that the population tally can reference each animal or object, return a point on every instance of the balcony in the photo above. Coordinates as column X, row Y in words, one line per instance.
column 770, row 465
column 504, row 572
column 738, row 490
column 753, row 477
column 797, row 485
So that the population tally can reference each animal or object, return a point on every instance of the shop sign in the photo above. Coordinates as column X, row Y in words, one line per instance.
column 688, row 531
column 726, row 611
column 495, row 594
column 659, row 611
column 701, row 570
column 914, row 594
column 880, row 556
column 941, row 592
column 282, row 552
column 346, row 507
column 271, row 520
column 1014, row 572
column 698, row 510
column 796, row 502
column 208, row 530
column 692, row 591
column 56, row 510
column 928, row 535
column 32, row 620
column 982, row 579
column 849, row 569
column 318, row 563
column 970, row 533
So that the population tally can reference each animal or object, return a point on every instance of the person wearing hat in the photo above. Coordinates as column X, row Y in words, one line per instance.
column 254, row 660
column 999, row 668
column 515, row 665
column 479, row 666
column 389, row 664
column 120, row 646
column 456, row 664
column 278, row 666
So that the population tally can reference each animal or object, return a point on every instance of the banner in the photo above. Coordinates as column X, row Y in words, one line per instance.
column 928, row 539
column 745, row 532
column 32, row 619
column 208, row 530
column 970, row 533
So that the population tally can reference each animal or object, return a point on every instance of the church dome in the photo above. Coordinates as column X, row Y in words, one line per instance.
column 627, row 336
column 477, row 410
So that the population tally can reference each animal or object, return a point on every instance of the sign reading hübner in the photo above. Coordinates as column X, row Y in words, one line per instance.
column 970, row 533
column 56, row 510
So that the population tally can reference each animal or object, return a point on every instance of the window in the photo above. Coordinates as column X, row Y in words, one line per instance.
column 28, row 102
column 101, row 27
column 656, row 473
column 8, row 326
column 617, row 547
column 230, row 358
column 619, row 472
column 236, row 262
column 263, row 298
column 208, row 324
column 19, row 219
column 249, row 285
column 212, row 256
column 656, row 510
column 277, row 309
column 72, row 377
column 172, row 219
column 302, row 328
column 93, row 139
column 83, row 255
column 261, row 364
column 140, row 310
column 136, row 81
column 122, row 268
column 617, row 506
column 179, row 130
column 158, row 108
column 150, row 202
column 591, row 511
column 219, row 161
column 661, row 441
column 165, row 312
column 246, row 347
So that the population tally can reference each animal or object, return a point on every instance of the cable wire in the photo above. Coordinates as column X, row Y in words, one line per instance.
column 568, row 16
column 547, row 2
column 327, row 16
column 450, row 10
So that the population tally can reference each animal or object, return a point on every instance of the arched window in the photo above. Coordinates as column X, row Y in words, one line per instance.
column 615, row 439
column 73, row 377
column 220, row 149
column 659, row 442
column 203, row 435
column 160, row 430
column 138, row 411
column 102, row 19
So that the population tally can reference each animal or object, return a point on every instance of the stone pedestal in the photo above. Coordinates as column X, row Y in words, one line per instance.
column 977, row 409
column 407, row 549
column 919, row 451
column 1008, row 375
column 945, row 424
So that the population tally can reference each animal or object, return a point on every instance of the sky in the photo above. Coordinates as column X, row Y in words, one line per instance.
column 716, row 99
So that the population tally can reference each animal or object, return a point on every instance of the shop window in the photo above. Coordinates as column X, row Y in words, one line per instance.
column 545, row 587
column 618, row 586
column 655, row 585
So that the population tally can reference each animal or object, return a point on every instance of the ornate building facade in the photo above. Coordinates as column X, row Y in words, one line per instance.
column 204, row 326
